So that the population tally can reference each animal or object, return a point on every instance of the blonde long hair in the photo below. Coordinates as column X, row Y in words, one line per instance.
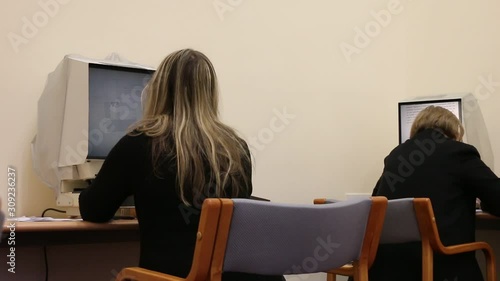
column 180, row 113
column 439, row 118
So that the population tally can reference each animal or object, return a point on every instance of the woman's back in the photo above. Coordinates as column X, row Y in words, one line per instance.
column 168, row 227
column 433, row 167
column 452, row 175
column 177, row 155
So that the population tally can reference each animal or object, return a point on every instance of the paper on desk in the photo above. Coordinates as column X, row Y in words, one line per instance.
column 39, row 219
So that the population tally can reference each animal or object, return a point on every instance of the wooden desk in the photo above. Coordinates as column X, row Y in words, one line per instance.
column 76, row 251
column 485, row 221
column 65, row 233
column 93, row 252
column 69, row 232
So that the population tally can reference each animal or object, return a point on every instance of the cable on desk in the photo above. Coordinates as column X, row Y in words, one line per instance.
column 52, row 209
column 45, row 246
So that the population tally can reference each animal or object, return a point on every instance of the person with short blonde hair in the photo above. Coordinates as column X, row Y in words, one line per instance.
column 438, row 118
column 434, row 163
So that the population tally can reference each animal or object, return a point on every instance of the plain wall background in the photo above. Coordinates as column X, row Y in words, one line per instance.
column 270, row 56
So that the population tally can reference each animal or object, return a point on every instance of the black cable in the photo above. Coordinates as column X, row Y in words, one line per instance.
column 52, row 209
column 45, row 246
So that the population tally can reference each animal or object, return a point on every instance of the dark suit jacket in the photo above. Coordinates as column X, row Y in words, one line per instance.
column 452, row 175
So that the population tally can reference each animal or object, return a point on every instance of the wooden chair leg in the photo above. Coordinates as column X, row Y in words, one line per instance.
column 331, row 277
column 489, row 256
column 360, row 271
column 363, row 272
column 427, row 261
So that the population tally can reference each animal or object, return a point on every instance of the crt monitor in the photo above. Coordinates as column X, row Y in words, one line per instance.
column 114, row 105
column 467, row 110
column 86, row 107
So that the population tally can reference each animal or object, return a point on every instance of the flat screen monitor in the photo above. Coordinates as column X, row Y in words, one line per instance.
column 114, row 104
column 410, row 109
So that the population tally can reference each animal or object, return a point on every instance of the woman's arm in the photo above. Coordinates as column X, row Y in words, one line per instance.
column 119, row 177
column 478, row 176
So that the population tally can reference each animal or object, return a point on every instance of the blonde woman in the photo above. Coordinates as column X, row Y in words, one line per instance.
column 178, row 154
column 436, row 164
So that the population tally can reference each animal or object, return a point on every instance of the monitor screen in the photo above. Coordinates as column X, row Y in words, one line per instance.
column 114, row 104
column 409, row 110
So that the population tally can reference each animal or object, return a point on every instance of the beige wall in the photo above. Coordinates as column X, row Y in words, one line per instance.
column 270, row 55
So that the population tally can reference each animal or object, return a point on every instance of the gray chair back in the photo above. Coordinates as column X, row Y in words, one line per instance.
column 400, row 224
column 275, row 238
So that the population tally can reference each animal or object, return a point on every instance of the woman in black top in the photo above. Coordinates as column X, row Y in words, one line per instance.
column 177, row 155
column 434, row 163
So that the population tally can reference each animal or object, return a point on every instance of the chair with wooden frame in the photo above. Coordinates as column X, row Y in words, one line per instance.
column 414, row 220
column 432, row 243
column 284, row 239
column 249, row 236
column 202, row 258
column 369, row 249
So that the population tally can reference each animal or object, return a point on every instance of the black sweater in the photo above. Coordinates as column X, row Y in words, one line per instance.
column 167, row 226
column 452, row 175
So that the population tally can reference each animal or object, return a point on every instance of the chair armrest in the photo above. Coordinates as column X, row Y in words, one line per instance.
column 464, row 248
column 142, row 274
column 469, row 247
column 345, row 270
